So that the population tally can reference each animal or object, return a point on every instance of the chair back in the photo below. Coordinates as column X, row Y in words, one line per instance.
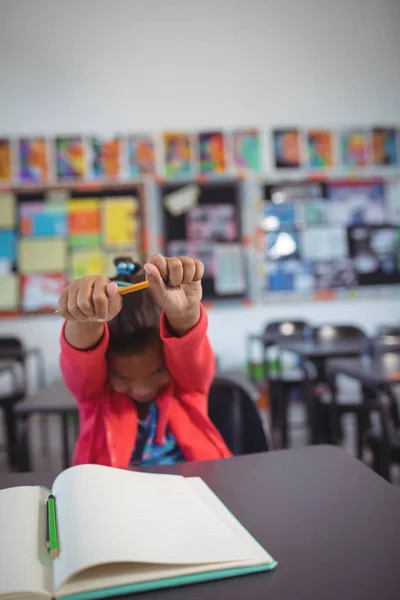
column 233, row 410
column 287, row 328
column 387, row 341
column 329, row 333
column 11, row 348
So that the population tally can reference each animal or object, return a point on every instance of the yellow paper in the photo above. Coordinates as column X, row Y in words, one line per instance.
column 9, row 292
column 83, row 204
column 120, row 222
column 42, row 255
column 87, row 263
column 7, row 210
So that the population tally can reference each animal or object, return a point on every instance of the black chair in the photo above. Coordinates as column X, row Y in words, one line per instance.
column 328, row 420
column 12, row 349
column 233, row 410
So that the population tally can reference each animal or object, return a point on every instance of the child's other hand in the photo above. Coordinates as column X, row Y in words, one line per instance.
column 90, row 299
column 176, row 286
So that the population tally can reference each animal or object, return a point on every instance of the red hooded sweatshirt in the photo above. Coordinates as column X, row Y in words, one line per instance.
column 108, row 419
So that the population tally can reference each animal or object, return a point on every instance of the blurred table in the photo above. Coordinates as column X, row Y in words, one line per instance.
column 57, row 400
column 332, row 524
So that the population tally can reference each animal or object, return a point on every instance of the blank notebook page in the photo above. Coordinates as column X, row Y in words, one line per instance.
column 107, row 515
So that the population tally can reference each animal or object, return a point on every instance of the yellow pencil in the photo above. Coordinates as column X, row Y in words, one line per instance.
column 142, row 285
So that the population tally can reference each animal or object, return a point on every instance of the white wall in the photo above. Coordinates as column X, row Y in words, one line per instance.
column 118, row 65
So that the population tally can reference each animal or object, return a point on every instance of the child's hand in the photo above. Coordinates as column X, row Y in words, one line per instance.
column 90, row 299
column 176, row 287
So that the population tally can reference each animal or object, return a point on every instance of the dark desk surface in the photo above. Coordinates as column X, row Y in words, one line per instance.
column 55, row 398
column 321, row 350
column 380, row 370
column 332, row 524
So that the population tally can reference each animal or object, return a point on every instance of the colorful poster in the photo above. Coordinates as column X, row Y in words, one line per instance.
column 5, row 161
column 178, row 154
column 9, row 296
column 212, row 222
column 106, row 158
column 287, row 148
column 42, row 255
column 320, row 149
column 290, row 276
column 84, row 222
column 41, row 292
column 212, row 153
column 277, row 216
column 33, row 160
column 7, row 210
column 355, row 148
column 141, row 156
column 120, row 219
column 91, row 262
column 247, row 150
column 385, row 146
column 356, row 203
column 70, row 158
column 42, row 219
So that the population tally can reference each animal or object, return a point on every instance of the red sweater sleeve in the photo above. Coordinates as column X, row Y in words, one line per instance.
column 84, row 371
column 189, row 359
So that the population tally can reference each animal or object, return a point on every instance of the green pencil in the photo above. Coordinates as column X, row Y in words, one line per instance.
column 52, row 521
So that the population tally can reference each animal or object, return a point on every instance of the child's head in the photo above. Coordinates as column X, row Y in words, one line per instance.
column 135, row 354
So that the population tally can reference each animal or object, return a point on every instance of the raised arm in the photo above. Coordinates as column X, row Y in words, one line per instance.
column 86, row 304
column 176, row 286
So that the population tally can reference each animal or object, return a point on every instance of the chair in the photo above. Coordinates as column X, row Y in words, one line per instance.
column 325, row 416
column 233, row 410
column 12, row 349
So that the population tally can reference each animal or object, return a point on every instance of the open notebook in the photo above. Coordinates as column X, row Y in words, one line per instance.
column 120, row 532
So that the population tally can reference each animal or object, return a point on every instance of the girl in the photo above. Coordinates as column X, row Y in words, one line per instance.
column 140, row 367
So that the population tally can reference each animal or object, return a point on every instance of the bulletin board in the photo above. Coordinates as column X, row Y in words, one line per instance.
column 330, row 239
column 204, row 220
column 50, row 236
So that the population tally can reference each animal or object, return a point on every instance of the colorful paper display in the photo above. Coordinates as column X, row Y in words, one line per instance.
column 5, row 161
column 106, row 158
column 141, row 156
column 42, row 219
column 355, row 148
column 178, row 154
column 33, row 160
column 120, row 221
column 44, row 255
column 287, row 148
column 84, row 222
column 320, row 149
column 41, row 292
column 247, row 150
column 212, row 153
column 385, row 147
column 70, row 158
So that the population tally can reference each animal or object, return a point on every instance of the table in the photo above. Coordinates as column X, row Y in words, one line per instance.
column 377, row 376
column 332, row 524
column 56, row 399
column 319, row 353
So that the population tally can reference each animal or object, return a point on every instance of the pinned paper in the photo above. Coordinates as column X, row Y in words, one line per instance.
column 7, row 210
column 5, row 161
column 42, row 219
column 33, row 160
column 84, row 222
column 41, row 292
column 229, row 270
column 120, row 221
column 182, row 200
column 42, row 255
column 9, row 292
column 8, row 245
column 87, row 263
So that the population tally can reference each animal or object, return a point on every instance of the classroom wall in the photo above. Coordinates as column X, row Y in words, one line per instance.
column 106, row 66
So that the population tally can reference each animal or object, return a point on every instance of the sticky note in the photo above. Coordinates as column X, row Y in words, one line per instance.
column 182, row 200
column 120, row 222
column 7, row 210
column 8, row 245
column 9, row 296
column 87, row 263
column 44, row 255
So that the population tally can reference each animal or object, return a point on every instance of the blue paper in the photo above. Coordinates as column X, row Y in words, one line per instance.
column 8, row 245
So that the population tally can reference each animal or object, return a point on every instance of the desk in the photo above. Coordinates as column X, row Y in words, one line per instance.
column 56, row 399
column 319, row 353
column 332, row 524
column 377, row 376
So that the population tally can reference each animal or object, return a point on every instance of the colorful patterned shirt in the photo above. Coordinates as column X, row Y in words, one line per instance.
column 147, row 451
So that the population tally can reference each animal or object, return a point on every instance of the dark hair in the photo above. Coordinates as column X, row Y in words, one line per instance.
column 138, row 323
